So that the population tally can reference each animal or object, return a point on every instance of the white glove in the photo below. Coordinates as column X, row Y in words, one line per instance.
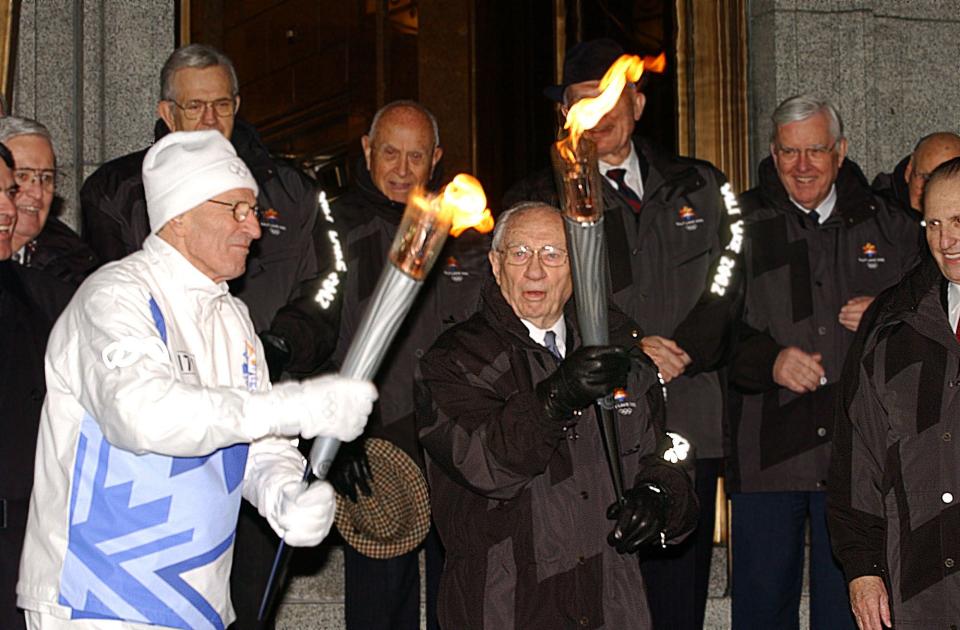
column 303, row 514
column 331, row 406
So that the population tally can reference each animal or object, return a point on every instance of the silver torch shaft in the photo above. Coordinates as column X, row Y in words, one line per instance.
column 581, row 199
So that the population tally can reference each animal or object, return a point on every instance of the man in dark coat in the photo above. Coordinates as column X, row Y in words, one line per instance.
column 906, row 183
column 30, row 301
column 292, row 273
column 42, row 241
column 667, row 221
column 520, row 486
column 894, row 473
column 401, row 153
column 819, row 245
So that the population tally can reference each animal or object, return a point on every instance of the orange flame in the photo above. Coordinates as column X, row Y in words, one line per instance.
column 465, row 201
column 587, row 112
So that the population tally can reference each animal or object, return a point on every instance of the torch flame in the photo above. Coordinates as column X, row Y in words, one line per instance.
column 587, row 112
column 465, row 201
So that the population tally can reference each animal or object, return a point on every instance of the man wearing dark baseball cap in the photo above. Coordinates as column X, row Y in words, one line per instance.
column 666, row 226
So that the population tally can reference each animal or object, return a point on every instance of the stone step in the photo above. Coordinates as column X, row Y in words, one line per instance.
column 314, row 597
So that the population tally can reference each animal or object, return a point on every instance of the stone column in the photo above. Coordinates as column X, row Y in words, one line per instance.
column 89, row 70
column 888, row 65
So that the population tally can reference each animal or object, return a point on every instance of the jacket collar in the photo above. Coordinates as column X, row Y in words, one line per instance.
column 854, row 197
column 662, row 170
column 175, row 270
column 918, row 301
column 500, row 316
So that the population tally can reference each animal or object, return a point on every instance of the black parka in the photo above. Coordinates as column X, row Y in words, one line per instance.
column 59, row 252
column 662, row 263
column 894, row 489
column 798, row 275
column 30, row 302
column 519, row 502
column 286, row 267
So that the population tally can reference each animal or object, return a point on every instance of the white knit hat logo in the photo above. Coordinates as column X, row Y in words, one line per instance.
column 186, row 168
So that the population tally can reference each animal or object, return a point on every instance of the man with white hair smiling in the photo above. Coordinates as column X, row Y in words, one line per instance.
column 159, row 416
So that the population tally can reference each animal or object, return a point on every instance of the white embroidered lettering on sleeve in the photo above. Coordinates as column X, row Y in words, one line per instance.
column 127, row 351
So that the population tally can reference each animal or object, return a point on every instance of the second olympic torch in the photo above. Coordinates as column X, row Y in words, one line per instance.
column 577, row 174
column 423, row 230
column 581, row 200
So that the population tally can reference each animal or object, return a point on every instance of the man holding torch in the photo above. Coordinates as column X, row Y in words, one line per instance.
column 667, row 223
column 520, row 488
column 159, row 416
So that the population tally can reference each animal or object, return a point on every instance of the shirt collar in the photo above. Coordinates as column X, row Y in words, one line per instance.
column 825, row 209
column 953, row 304
column 633, row 176
column 559, row 327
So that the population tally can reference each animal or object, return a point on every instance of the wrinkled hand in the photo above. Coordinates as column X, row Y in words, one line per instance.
column 670, row 358
column 798, row 371
column 852, row 311
column 350, row 471
column 640, row 518
column 868, row 599
column 586, row 375
column 303, row 514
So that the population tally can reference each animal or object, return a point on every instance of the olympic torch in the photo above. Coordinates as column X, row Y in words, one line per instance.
column 574, row 160
column 423, row 230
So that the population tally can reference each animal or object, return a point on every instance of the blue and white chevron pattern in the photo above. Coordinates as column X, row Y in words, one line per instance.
column 150, row 535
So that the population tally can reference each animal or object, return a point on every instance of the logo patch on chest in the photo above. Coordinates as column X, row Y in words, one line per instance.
column 688, row 219
column 249, row 367
column 453, row 270
column 271, row 222
column 870, row 256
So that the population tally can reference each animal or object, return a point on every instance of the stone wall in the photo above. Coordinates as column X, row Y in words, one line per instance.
column 890, row 66
column 89, row 70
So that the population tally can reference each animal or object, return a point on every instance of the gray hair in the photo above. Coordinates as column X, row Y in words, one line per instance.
column 803, row 106
column 13, row 126
column 409, row 104
column 198, row 56
column 511, row 214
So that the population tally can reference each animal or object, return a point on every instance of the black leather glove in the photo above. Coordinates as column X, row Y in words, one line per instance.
column 277, row 352
column 640, row 518
column 590, row 373
column 350, row 471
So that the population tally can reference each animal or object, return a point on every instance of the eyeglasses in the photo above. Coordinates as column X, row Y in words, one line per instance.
column 222, row 107
column 47, row 177
column 10, row 192
column 241, row 209
column 935, row 225
column 915, row 174
column 816, row 153
column 549, row 255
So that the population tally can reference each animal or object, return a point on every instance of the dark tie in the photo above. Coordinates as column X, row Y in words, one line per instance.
column 957, row 333
column 617, row 176
column 550, row 342
column 815, row 217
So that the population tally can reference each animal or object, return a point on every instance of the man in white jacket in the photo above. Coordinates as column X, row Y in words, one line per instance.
column 159, row 416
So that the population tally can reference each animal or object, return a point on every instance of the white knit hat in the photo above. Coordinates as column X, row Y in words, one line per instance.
column 186, row 168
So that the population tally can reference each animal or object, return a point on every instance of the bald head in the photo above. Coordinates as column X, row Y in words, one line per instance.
column 401, row 149
column 932, row 151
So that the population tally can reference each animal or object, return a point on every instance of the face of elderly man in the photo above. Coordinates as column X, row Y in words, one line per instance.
column 808, row 158
column 613, row 133
column 211, row 237
column 36, row 176
column 401, row 154
column 200, row 93
column 931, row 153
column 535, row 291
column 941, row 211
column 8, row 212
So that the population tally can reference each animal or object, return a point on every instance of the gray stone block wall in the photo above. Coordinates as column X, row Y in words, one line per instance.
column 89, row 70
column 888, row 65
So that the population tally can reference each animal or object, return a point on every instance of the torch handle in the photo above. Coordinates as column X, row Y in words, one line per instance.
column 391, row 301
column 588, row 264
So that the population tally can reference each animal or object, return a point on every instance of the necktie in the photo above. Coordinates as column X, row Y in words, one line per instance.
column 617, row 175
column 815, row 217
column 550, row 342
column 957, row 333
